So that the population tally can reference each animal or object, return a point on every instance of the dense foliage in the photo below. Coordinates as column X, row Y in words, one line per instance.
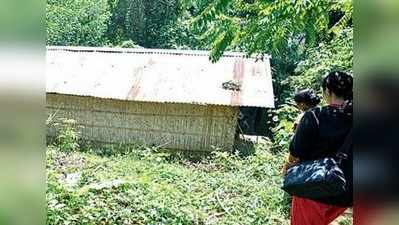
column 275, row 27
column 148, row 23
column 77, row 22
column 292, row 31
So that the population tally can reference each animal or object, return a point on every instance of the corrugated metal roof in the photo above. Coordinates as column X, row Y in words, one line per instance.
column 151, row 75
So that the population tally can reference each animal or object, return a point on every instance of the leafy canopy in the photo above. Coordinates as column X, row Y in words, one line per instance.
column 275, row 27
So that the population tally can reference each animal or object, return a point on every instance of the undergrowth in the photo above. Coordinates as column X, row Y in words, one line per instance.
column 155, row 188
column 130, row 184
column 140, row 185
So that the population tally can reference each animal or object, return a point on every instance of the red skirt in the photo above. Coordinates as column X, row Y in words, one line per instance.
column 308, row 212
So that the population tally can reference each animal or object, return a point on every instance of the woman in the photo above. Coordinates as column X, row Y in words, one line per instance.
column 305, row 100
column 320, row 133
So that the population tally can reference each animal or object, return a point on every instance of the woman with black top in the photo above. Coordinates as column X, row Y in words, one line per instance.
column 320, row 133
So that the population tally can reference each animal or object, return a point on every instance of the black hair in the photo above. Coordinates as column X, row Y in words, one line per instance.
column 307, row 96
column 340, row 83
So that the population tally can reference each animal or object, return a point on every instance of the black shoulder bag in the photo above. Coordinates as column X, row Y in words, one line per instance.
column 319, row 179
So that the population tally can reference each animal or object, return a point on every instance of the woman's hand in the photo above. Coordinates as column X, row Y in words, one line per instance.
column 285, row 169
column 286, row 166
column 292, row 161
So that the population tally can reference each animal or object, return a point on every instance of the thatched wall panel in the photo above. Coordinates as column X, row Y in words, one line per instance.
column 86, row 132
column 175, row 126
column 159, row 109
column 109, row 134
column 83, row 117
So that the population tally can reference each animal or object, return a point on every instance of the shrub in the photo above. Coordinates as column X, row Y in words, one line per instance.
column 68, row 136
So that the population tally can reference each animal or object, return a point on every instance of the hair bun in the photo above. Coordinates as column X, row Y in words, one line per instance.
column 307, row 96
column 340, row 83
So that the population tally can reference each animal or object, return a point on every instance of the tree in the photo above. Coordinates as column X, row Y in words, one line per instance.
column 76, row 22
column 279, row 27
column 148, row 23
column 336, row 54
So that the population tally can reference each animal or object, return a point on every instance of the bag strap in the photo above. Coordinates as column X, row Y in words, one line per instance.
column 342, row 152
column 315, row 117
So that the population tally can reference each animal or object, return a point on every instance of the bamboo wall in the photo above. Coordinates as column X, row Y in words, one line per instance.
column 174, row 126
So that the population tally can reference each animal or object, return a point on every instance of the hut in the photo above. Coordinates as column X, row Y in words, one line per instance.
column 174, row 99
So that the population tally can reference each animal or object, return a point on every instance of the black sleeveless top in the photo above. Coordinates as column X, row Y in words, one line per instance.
column 320, row 133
